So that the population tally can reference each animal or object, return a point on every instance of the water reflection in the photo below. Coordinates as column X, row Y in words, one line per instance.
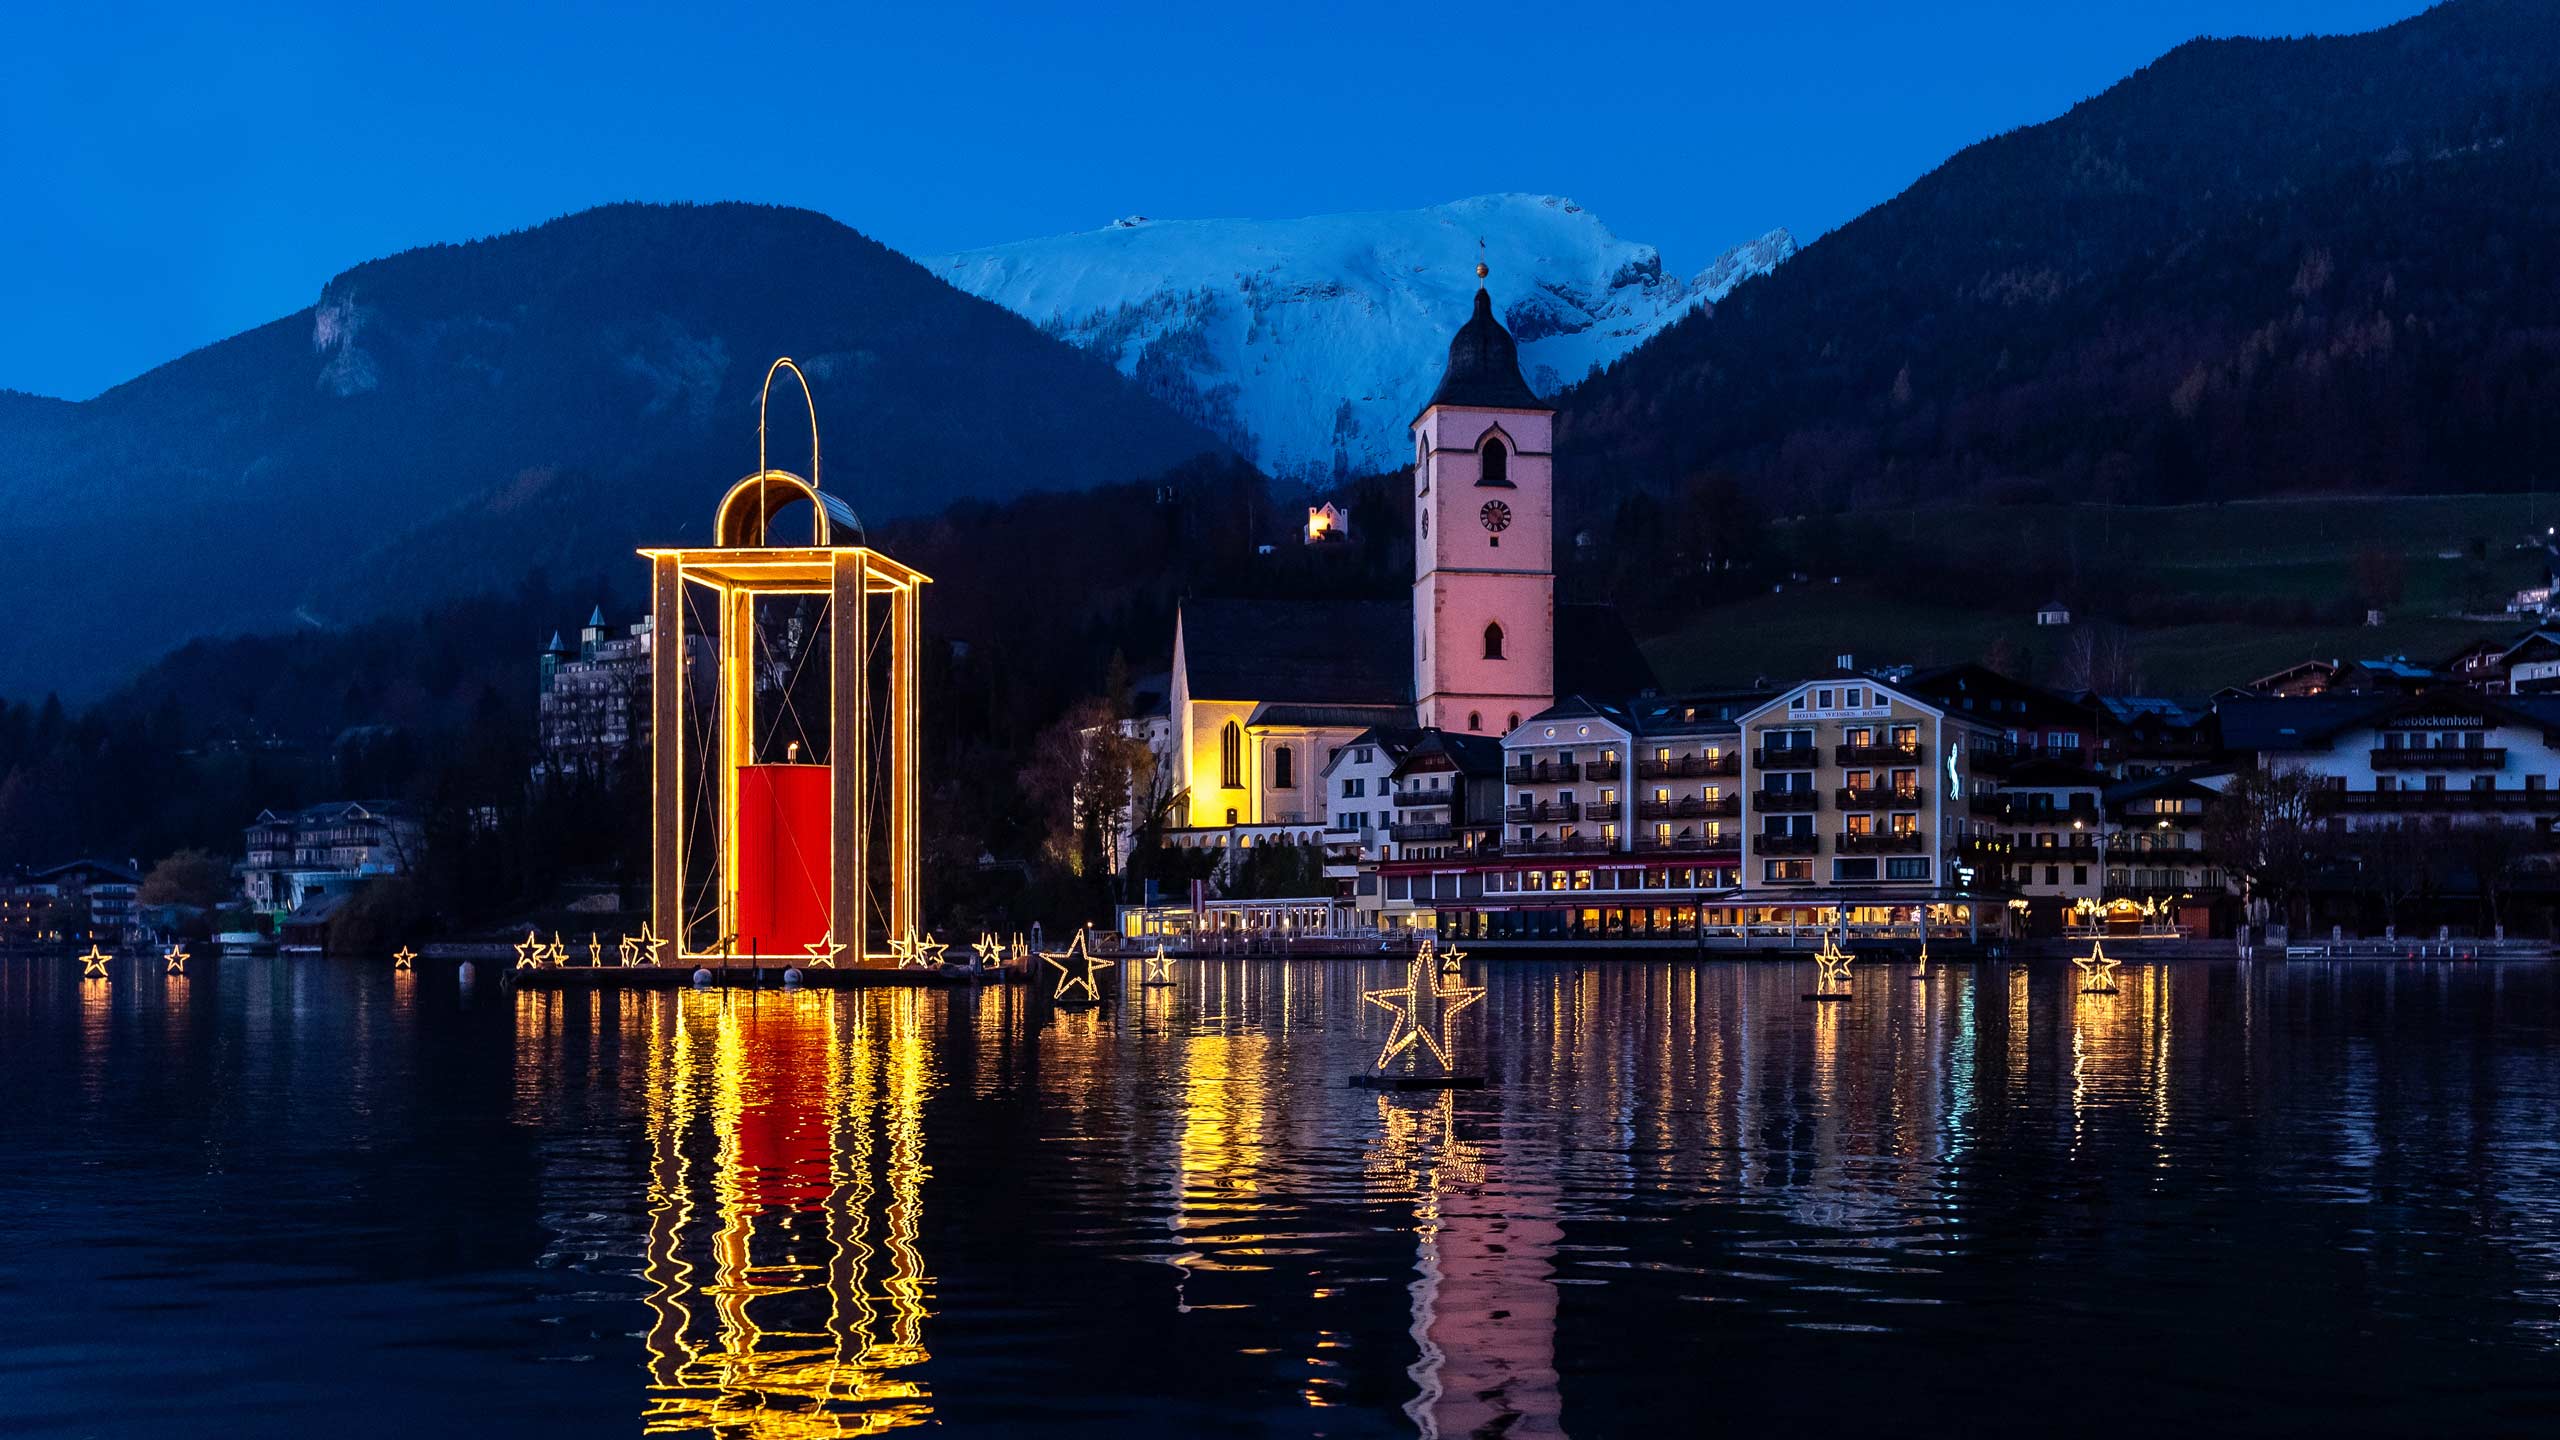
column 839, row 1213
column 787, row 1292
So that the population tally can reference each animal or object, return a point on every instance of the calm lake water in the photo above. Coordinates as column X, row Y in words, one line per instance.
column 291, row 1197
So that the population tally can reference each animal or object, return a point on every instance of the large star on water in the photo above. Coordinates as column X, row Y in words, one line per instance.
column 645, row 944
column 1077, row 968
column 924, row 953
column 93, row 966
column 1156, row 969
column 530, row 951
column 175, row 958
column 1423, row 1008
column 990, row 951
column 2099, row 967
column 823, row 951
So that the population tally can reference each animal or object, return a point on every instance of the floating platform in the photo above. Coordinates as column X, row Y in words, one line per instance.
column 737, row 977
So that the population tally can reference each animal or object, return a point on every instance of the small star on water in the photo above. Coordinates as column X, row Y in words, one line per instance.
column 1833, row 960
column 404, row 959
column 2100, row 969
column 595, row 950
column 823, row 950
column 1077, row 968
column 1423, row 1008
column 1157, row 969
column 990, row 951
column 642, row 948
column 910, row 950
column 529, row 952
column 555, row 954
column 93, row 966
column 175, row 958
column 1451, row 960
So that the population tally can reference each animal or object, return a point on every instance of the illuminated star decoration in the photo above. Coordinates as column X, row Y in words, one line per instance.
column 175, row 958
column 2100, row 968
column 1423, row 1007
column 1834, row 963
column 643, row 947
column 595, row 950
column 990, row 951
column 1450, row 960
column 93, row 966
column 823, row 950
column 908, row 950
column 1077, row 968
column 1921, row 970
column 404, row 959
column 1157, row 969
column 529, row 952
column 932, row 950
column 557, row 953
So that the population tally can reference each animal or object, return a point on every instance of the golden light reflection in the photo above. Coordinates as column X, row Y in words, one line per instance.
column 787, row 1289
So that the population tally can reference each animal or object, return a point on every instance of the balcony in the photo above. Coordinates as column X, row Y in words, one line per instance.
column 1422, row 834
column 2467, row 802
column 1685, row 844
column 1604, row 810
column 1690, row 807
column 2449, row 757
column 1786, row 802
column 1426, row 797
column 1805, row 843
column 1572, row 845
column 1787, row 757
column 1689, row 767
column 1601, row 769
column 1880, row 842
column 1540, row 772
column 1881, row 797
column 1912, row 754
column 1542, row 812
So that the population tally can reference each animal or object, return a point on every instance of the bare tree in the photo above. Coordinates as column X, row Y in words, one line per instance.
column 2493, row 850
column 2397, row 860
column 2100, row 659
column 2271, row 830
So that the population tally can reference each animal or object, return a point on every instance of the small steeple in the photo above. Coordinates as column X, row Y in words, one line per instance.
column 1484, row 361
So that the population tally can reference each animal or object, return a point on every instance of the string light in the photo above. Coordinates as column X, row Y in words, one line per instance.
column 93, row 966
column 923, row 953
column 2099, row 968
column 403, row 959
column 1423, row 1008
column 824, row 950
column 646, row 943
column 1157, row 969
column 175, row 958
column 1831, row 970
column 1077, row 967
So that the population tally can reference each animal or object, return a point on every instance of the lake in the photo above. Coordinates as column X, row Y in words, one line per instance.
column 282, row 1197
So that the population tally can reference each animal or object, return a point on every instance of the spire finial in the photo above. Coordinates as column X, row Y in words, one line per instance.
column 1481, row 271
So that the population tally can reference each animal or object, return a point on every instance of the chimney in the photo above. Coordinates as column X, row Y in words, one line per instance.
column 1846, row 662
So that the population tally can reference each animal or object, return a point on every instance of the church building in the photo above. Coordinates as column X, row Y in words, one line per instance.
column 1264, row 695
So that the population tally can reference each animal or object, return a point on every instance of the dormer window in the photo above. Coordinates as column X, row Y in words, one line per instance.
column 1497, row 464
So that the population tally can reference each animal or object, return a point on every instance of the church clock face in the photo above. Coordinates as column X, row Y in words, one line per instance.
column 1496, row 516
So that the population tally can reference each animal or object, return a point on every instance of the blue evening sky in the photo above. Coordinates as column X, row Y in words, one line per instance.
column 171, row 174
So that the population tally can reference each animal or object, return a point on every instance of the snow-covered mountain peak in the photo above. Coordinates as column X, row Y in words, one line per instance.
column 1310, row 343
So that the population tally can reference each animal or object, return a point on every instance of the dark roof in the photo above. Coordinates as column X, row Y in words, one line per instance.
column 1597, row 655
column 1284, row 713
column 1582, row 707
column 125, row 873
column 1952, row 687
column 1478, row 756
column 1321, row 652
column 1484, row 366
column 2049, row 775
column 1719, row 713
column 2311, row 722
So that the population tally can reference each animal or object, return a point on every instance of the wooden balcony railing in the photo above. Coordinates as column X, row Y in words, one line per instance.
column 1882, row 797
column 1787, row 802
column 1880, row 842
column 1541, row 812
column 2450, row 757
column 1787, row 757
column 1689, row 767
column 1806, row 843
column 1912, row 754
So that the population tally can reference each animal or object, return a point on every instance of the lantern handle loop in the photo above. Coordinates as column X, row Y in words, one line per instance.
column 764, row 404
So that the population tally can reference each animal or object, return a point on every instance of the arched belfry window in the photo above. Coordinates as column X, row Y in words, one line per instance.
column 1497, row 463
column 1493, row 642
column 1475, row 719
column 1231, row 757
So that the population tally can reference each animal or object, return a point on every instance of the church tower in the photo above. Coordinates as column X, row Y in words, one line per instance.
column 1484, row 583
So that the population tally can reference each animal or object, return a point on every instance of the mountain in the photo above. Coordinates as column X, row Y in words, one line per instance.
column 1309, row 344
column 443, row 421
column 2254, row 267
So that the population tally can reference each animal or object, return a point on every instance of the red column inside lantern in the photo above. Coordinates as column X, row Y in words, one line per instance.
column 783, row 852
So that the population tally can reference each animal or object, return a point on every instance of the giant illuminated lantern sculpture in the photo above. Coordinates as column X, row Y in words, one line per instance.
column 783, row 766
